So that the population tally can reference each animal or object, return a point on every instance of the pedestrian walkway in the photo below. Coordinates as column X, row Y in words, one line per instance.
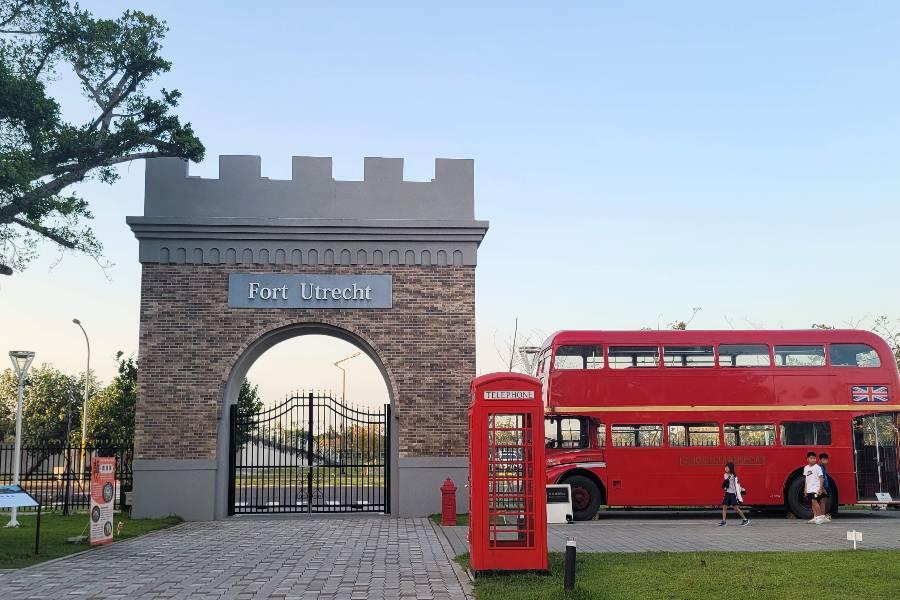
column 644, row 531
column 248, row 558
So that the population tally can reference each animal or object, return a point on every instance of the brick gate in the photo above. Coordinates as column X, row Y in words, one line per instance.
column 203, row 325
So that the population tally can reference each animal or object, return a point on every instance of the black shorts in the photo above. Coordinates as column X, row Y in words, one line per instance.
column 812, row 497
column 730, row 499
column 823, row 494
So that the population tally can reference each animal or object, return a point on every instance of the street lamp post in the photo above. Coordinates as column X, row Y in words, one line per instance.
column 21, row 360
column 87, row 387
column 344, row 375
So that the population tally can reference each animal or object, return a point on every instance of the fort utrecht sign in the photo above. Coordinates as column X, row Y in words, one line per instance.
column 286, row 290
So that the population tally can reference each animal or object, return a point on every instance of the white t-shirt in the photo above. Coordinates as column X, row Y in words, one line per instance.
column 812, row 474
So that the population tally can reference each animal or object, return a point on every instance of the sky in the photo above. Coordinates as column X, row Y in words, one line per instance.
column 635, row 160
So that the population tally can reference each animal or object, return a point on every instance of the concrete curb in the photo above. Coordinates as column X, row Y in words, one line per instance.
column 465, row 580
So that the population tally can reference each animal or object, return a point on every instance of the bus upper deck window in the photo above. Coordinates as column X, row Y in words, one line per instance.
column 578, row 357
column 853, row 355
column 800, row 356
column 744, row 355
column 627, row 357
column 688, row 356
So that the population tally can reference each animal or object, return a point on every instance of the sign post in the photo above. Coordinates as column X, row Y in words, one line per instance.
column 103, row 490
column 13, row 496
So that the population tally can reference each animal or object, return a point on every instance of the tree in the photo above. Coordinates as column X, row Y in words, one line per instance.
column 248, row 405
column 42, row 154
column 111, row 410
column 52, row 405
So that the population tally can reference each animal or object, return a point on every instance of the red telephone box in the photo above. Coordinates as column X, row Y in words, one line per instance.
column 507, row 497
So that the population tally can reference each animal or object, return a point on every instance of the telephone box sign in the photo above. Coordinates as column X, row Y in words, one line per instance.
column 509, row 395
column 290, row 290
column 103, row 490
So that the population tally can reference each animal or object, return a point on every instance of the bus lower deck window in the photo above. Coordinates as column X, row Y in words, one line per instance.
column 693, row 434
column 805, row 433
column 637, row 436
column 750, row 435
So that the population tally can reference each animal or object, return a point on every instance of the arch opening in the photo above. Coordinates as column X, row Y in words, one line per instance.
column 312, row 439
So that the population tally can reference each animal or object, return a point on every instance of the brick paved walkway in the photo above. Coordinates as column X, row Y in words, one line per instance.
column 253, row 558
column 643, row 531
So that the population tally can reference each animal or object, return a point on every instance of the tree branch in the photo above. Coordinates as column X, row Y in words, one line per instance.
column 47, row 233
column 15, row 13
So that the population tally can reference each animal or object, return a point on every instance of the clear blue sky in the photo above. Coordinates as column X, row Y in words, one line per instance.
column 634, row 161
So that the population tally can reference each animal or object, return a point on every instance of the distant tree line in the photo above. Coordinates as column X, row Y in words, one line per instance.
column 53, row 405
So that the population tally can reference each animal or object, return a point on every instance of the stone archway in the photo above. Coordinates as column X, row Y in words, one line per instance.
column 254, row 351
column 387, row 264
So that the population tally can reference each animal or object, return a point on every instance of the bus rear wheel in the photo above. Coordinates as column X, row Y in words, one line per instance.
column 585, row 497
column 800, row 506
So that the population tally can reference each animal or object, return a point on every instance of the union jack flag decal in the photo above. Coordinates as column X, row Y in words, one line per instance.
column 869, row 393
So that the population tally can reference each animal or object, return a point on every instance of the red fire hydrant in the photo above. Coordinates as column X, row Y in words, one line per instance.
column 448, row 503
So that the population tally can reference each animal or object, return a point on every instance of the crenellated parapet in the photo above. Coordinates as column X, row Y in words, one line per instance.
column 311, row 219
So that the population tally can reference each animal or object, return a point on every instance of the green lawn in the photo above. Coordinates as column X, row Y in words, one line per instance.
column 462, row 519
column 17, row 545
column 838, row 575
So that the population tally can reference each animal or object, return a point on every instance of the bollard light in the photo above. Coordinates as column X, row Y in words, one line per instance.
column 21, row 360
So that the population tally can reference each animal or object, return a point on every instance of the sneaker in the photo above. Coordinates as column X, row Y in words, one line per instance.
column 819, row 520
column 745, row 522
column 813, row 520
column 828, row 518
column 722, row 523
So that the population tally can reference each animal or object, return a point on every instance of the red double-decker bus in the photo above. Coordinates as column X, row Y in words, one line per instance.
column 649, row 418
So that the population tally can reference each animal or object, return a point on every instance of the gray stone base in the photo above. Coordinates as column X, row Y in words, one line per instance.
column 174, row 487
column 419, row 480
column 187, row 488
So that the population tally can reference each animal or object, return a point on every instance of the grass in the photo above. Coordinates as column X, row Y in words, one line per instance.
column 17, row 545
column 462, row 519
column 827, row 575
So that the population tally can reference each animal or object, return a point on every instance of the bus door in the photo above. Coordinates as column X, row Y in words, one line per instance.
column 875, row 441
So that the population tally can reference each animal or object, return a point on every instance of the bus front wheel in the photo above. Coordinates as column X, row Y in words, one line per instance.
column 799, row 505
column 585, row 497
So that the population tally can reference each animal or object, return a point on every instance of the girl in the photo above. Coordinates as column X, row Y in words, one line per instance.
column 733, row 497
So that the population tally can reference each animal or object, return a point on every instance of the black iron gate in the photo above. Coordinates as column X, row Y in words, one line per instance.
column 310, row 453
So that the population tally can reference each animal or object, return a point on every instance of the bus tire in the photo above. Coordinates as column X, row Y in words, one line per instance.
column 585, row 497
column 796, row 500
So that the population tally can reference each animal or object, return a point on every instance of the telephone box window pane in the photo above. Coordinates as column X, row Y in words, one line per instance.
column 578, row 357
column 800, row 356
column 853, row 355
column 689, row 356
column 510, row 481
column 693, row 434
column 744, row 355
column 637, row 436
column 629, row 357
column 750, row 435
column 805, row 434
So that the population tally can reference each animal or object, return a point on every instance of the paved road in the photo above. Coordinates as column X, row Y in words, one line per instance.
column 250, row 557
column 643, row 531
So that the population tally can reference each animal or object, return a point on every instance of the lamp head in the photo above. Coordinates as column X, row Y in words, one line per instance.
column 21, row 360
column 76, row 321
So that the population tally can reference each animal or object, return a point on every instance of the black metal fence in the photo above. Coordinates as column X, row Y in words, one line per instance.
column 59, row 475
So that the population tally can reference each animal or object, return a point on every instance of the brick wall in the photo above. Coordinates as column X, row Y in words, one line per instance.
column 190, row 339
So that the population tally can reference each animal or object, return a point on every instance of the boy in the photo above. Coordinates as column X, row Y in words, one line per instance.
column 826, row 489
column 812, row 472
